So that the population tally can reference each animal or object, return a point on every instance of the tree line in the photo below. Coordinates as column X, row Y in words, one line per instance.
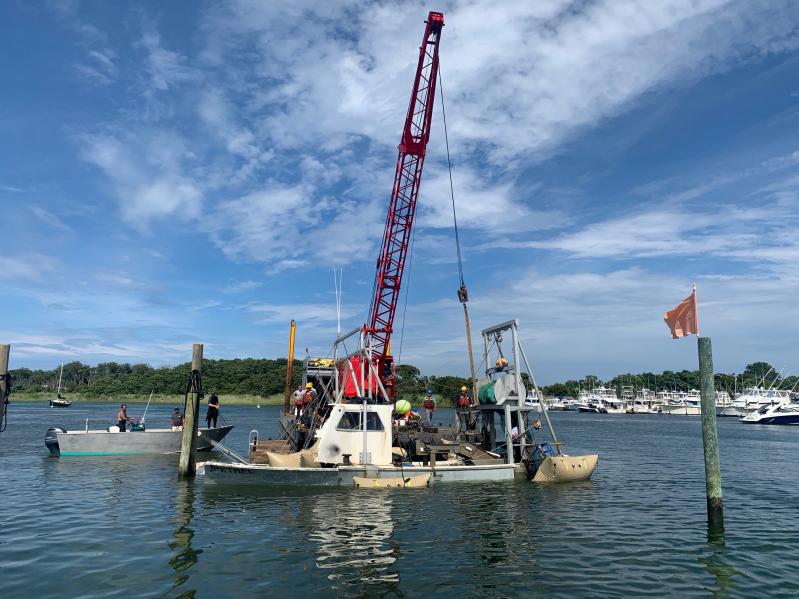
column 267, row 377
column 760, row 374
column 240, row 376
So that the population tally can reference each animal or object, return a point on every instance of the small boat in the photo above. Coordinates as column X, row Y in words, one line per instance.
column 774, row 414
column 61, row 442
column 60, row 401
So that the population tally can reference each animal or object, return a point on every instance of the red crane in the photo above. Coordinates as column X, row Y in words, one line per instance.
column 401, row 209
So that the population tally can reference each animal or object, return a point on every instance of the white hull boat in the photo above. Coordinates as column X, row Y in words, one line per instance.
column 342, row 476
column 98, row 443
column 684, row 410
column 780, row 414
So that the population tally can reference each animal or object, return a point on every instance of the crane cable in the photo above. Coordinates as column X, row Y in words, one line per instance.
column 407, row 288
column 451, row 186
column 454, row 220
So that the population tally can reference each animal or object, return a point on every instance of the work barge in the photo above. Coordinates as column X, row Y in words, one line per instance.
column 338, row 442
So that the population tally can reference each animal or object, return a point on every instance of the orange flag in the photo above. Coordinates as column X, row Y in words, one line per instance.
column 684, row 319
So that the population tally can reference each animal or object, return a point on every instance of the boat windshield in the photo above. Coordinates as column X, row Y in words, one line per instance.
column 351, row 421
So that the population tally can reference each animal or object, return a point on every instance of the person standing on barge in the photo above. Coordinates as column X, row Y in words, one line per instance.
column 429, row 405
column 462, row 405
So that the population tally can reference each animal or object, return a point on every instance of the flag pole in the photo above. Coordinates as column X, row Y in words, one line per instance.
column 710, row 439
column 683, row 320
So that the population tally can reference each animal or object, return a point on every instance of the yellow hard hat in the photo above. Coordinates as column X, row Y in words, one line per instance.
column 309, row 385
column 463, row 388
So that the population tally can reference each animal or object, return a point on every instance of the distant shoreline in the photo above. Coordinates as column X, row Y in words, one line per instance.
column 230, row 400
column 224, row 399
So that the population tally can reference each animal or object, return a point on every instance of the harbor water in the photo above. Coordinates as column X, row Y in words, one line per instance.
column 125, row 526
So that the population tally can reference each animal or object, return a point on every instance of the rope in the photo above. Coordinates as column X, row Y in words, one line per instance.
column 194, row 385
column 451, row 187
column 5, row 378
column 407, row 289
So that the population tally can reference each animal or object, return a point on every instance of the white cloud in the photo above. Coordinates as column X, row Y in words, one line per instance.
column 165, row 68
column 51, row 219
column 32, row 267
column 100, row 66
column 606, row 323
column 288, row 224
column 497, row 209
column 307, row 313
column 760, row 229
column 146, row 170
column 241, row 286
column 518, row 80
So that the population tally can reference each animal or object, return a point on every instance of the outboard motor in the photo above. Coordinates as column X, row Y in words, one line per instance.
column 51, row 439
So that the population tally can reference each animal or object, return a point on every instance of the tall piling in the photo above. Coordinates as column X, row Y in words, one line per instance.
column 715, row 507
column 4, row 384
column 188, row 448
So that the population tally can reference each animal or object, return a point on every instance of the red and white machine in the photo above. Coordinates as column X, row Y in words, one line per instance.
column 375, row 343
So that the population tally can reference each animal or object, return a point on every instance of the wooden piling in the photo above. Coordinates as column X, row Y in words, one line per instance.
column 715, row 508
column 188, row 448
column 4, row 351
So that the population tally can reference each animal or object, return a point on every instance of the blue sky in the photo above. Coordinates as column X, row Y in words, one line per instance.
column 191, row 172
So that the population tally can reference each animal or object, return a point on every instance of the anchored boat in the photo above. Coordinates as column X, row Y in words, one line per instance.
column 60, row 401
column 61, row 442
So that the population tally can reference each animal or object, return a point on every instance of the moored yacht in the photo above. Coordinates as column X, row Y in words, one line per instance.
column 685, row 403
column 754, row 398
column 774, row 414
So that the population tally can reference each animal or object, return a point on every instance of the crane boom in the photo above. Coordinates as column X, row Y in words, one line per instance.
column 402, row 207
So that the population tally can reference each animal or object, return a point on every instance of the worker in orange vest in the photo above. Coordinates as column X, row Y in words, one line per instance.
column 429, row 405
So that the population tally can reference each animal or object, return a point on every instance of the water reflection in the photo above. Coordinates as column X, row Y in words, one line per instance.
column 722, row 572
column 185, row 556
column 354, row 539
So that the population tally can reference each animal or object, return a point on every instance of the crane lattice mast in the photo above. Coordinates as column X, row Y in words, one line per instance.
column 408, row 176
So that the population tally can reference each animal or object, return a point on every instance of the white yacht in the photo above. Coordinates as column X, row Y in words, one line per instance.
column 754, row 398
column 589, row 401
column 600, row 400
column 778, row 413
column 685, row 403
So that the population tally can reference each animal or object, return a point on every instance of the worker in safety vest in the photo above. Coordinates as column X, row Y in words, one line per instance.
column 462, row 405
column 309, row 396
column 429, row 405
